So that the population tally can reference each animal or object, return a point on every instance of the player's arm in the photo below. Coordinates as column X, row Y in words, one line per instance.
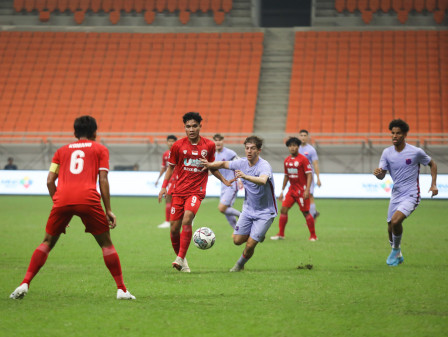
column 105, row 195
column 168, row 174
column 379, row 173
column 309, row 179
column 285, row 182
column 317, row 171
column 216, row 165
column 162, row 171
column 261, row 180
column 432, row 164
column 51, row 179
column 218, row 175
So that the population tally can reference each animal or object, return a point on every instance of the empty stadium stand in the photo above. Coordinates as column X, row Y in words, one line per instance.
column 356, row 82
column 129, row 82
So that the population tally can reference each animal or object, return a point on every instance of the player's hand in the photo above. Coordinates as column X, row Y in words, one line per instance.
column 240, row 184
column 379, row 173
column 228, row 183
column 111, row 219
column 205, row 163
column 306, row 194
column 318, row 183
column 162, row 194
column 280, row 197
column 434, row 191
column 240, row 174
column 156, row 183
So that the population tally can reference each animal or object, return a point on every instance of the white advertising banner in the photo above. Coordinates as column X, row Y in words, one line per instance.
column 131, row 183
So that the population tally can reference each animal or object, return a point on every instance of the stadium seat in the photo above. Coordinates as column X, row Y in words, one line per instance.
column 339, row 5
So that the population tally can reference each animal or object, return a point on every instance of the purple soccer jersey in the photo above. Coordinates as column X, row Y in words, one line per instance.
column 310, row 153
column 226, row 155
column 404, row 168
column 259, row 200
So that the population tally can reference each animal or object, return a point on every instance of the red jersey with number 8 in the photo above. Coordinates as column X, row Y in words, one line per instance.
column 191, row 179
column 79, row 165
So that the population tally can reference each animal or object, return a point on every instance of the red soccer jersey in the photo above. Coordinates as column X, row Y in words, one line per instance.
column 190, row 178
column 165, row 158
column 296, row 168
column 79, row 165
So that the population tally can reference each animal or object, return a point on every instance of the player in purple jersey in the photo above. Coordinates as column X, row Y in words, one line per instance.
column 310, row 153
column 260, row 207
column 228, row 193
column 403, row 163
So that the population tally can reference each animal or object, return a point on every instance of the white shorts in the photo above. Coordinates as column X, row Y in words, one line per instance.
column 255, row 227
column 405, row 206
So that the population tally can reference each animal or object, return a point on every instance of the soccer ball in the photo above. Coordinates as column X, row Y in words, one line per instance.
column 204, row 238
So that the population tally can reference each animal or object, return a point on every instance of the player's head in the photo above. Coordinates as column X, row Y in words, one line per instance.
column 293, row 144
column 85, row 127
column 170, row 140
column 399, row 123
column 399, row 130
column 192, row 122
column 303, row 136
column 252, row 147
column 219, row 141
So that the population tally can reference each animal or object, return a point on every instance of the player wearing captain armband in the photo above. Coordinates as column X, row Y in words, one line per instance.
column 77, row 166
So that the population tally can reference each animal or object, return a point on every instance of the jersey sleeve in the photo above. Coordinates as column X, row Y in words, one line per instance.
column 265, row 169
column 314, row 155
column 104, row 159
column 174, row 154
column 235, row 164
column 211, row 152
column 56, row 159
column 234, row 156
column 307, row 166
column 423, row 158
column 383, row 161
column 284, row 166
column 164, row 161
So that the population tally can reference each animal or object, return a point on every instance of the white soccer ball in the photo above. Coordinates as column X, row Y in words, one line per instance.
column 204, row 238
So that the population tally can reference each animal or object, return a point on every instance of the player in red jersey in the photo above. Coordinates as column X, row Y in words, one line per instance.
column 77, row 166
column 190, row 186
column 170, row 140
column 300, row 175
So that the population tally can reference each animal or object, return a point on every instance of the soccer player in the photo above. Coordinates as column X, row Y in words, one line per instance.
column 260, row 207
column 310, row 153
column 170, row 140
column 190, row 186
column 300, row 175
column 403, row 163
column 228, row 194
column 77, row 167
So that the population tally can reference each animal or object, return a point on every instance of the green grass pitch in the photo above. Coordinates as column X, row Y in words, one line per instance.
column 350, row 291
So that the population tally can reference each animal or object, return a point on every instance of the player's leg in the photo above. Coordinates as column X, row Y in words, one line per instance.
column 166, row 223
column 314, row 212
column 395, row 230
column 283, row 220
column 228, row 196
column 305, row 205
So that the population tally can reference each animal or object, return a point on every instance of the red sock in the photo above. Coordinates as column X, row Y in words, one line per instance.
column 185, row 239
column 112, row 262
column 282, row 224
column 167, row 211
column 175, row 241
column 37, row 261
column 310, row 223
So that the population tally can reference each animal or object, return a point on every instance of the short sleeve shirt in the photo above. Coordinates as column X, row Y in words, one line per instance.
column 79, row 165
column 310, row 153
column 259, row 200
column 296, row 169
column 186, row 157
column 404, row 168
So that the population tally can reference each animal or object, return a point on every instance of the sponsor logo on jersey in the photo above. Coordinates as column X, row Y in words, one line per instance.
column 293, row 171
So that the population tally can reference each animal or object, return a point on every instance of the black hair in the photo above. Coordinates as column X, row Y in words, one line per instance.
column 171, row 137
column 85, row 126
column 293, row 140
column 254, row 140
column 399, row 123
column 192, row 115
column 303, row 130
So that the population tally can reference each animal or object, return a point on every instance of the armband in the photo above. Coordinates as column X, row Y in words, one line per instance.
column 165, row 183
column 54, row 168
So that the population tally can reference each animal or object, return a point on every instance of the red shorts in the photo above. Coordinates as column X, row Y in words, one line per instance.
column 292, row 197
column 92, row 216
column 180, row 204
column 170, row 186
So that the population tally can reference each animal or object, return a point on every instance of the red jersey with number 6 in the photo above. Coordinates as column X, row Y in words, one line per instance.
column 79, row 165
column 296, row 168
column 191, row 180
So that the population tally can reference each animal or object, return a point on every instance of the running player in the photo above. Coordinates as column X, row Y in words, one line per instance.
column 403, row 163
column 260, row 207
column 170, row 140
column 77, row 167
column 310, row 153
column 191, row 184
column 228, row 194
column 299, row 174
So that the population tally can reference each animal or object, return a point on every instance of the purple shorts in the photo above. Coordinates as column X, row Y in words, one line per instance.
column 228, row 195
column 255, row 227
